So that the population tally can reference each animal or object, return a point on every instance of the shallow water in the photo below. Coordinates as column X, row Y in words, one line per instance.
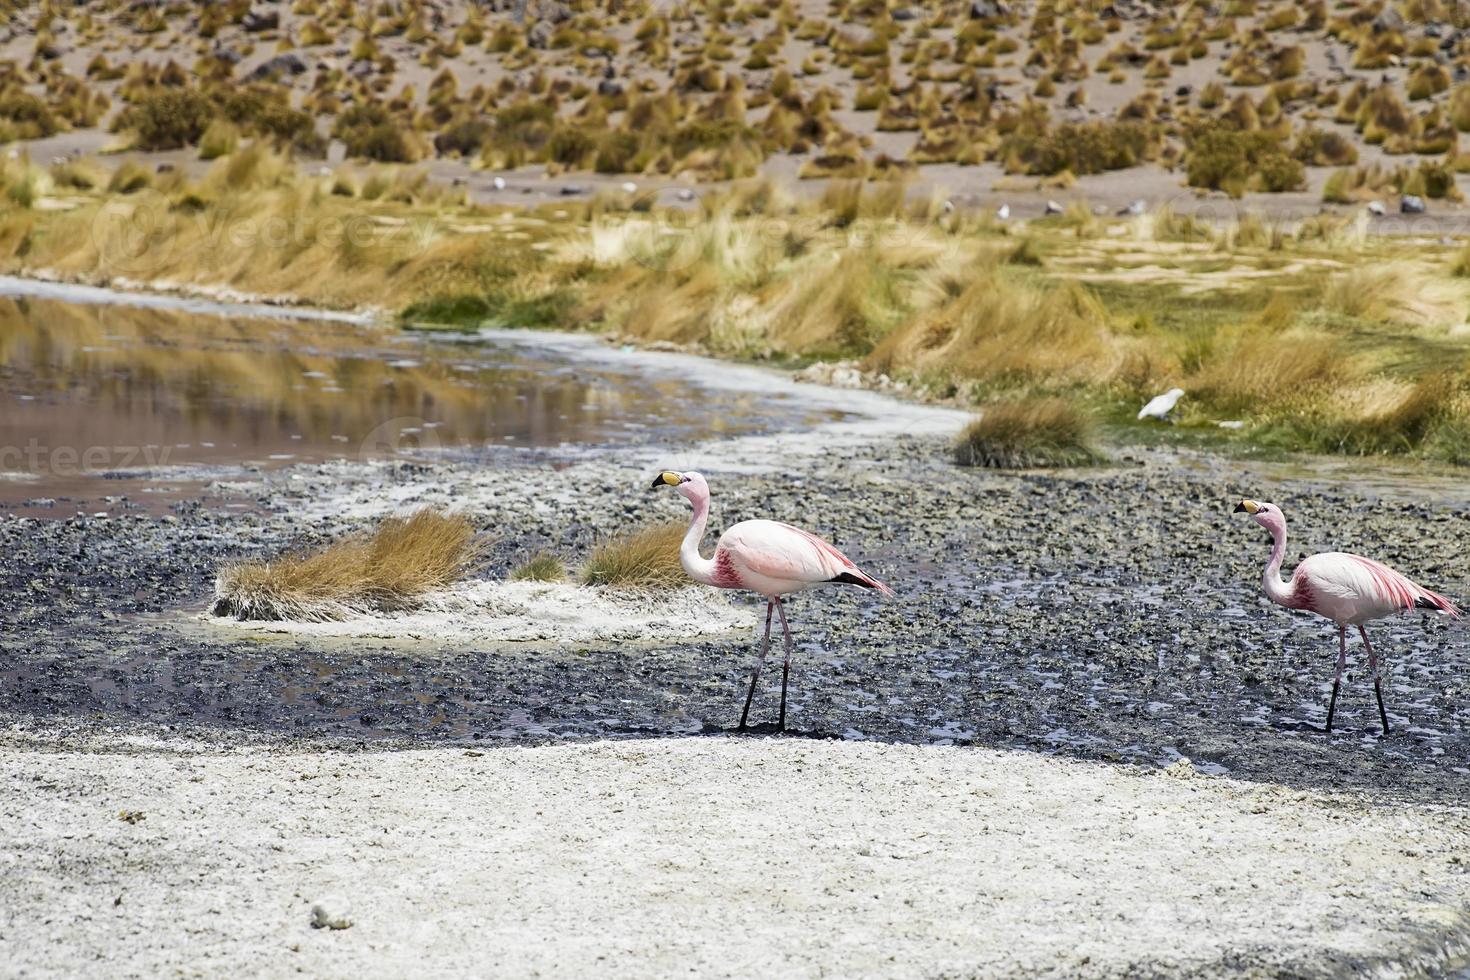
column 102, row 402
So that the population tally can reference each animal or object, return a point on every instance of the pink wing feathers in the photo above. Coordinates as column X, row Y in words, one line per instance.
column 783, row 552
column 1355, row 578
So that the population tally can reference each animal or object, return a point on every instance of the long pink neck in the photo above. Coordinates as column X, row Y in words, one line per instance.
column 700, row 568
column 1276, row 590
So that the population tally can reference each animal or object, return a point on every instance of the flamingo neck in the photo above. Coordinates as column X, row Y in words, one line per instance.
column 700, row 568
column 1276, row 590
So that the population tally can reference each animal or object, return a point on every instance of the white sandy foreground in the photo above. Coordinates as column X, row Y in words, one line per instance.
column 704, row 857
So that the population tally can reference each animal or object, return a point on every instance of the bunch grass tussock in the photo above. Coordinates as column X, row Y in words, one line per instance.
column 1002, row 326
column 543, row 566
column 1402, row 293
column 1026, row 433
column 393, row 568
column 646, row 559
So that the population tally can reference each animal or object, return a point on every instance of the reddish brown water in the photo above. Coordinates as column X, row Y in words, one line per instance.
column 100, row 403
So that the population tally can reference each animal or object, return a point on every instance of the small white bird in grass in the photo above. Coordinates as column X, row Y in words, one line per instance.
column 498, row 183
column 1161, row 405
column 1003, row 212
column 766, row 557
column 629, row 187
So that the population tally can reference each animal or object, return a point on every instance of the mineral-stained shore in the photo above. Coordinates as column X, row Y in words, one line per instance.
column 1057, row 642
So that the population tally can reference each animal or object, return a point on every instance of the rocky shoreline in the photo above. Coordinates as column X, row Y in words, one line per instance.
column 1108, row 614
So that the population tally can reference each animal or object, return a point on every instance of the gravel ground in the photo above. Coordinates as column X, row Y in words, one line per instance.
column 709, row 857
column 1106, row 622
column 1112, row 614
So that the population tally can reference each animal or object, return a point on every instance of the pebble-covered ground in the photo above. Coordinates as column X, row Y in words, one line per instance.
column 1110, row 614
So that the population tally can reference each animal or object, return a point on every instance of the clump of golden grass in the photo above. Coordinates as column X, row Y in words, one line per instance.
column 999, row 327
column 1405, row 423
column 1396, row 292
column 392, row 568
column 1265, row 370
column 543, row 566
column 647, row 558
column 1026, row 433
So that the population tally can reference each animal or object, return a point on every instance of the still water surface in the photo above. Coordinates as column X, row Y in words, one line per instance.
column 99, row 402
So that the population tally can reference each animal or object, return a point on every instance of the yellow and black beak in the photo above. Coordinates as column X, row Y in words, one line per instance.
column 1247, row 506
column 666, row 479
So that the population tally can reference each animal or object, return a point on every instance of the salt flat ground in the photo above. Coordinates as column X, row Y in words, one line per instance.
column 706, row 857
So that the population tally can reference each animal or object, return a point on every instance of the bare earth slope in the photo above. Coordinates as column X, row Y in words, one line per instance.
column 981, row 100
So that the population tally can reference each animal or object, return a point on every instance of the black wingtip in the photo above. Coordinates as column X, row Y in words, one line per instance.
column 848, row 578
column 1424, row 602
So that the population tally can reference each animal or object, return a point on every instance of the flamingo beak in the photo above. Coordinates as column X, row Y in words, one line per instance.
column 666, row 479
column 1247, row 507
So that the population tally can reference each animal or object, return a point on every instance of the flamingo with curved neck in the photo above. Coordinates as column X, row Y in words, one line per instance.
column 767, row 557
column 1348, row 589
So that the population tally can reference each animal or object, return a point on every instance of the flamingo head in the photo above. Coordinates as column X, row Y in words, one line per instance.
column 691, row 485
column 1269, row 516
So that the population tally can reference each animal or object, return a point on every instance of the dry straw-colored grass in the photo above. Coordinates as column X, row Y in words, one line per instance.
column 543, row 566
column 647, row 558
column 392, row 568
column 1029, row 432
column 998, row 327
column 1397, row 292
column 947, row 300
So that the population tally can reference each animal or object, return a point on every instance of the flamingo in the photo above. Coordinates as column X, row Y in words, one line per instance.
column 1348, row 589
column 768, row 557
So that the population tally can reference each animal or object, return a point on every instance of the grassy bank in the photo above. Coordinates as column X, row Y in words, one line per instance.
column 1311, row 336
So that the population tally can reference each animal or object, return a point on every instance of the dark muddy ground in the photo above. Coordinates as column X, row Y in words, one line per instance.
column 1110, row 614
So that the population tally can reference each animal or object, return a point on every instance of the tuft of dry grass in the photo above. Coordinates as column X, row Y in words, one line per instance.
column 390, row 569
column 998, row 327
column 1026, row 433
column 647, row 558
column 1396, row 292
column 543, row 566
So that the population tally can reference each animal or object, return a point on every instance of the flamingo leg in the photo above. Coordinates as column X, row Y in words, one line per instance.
column 755, row 675
column 1377, row 684
column 786, row 667
column 1337, row 680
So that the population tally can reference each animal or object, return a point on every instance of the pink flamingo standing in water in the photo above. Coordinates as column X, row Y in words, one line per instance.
column 1347, row 589
column 768, row 557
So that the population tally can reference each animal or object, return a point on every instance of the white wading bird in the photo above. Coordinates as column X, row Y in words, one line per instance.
column 1160, row 406
column 768, row 557
column 1348, row 589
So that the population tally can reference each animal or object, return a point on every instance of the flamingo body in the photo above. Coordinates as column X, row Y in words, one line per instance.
column 776, row 559
column 1348, row 589
column 1353, row 590
column 771, row 558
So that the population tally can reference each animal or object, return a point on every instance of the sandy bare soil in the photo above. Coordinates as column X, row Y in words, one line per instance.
column 707, row 857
